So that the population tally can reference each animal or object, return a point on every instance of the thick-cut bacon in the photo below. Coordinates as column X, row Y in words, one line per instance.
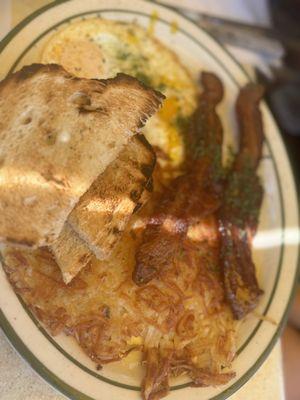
column 205, row 134
column 250, row 125
column 239, row 212
column 190, row 196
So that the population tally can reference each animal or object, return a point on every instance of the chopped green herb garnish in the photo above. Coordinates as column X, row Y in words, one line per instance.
column 243, row 195
column 131, row 31
column 213, row 266
column 143, row 78
column 122, row 55
column 230, row 158
column 182, row 122
column 161, row 87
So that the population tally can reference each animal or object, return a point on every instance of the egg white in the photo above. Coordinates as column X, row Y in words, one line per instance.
column 98, row 48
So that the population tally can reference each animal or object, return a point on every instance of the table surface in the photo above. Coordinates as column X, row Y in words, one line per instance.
column 19, row 382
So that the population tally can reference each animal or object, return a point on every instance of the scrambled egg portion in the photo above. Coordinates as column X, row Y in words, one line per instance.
column 98, row 48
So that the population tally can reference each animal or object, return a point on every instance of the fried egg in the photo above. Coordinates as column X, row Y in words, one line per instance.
column 98, row 48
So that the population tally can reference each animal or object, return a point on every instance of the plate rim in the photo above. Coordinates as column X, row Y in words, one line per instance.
column 271, row 157
column 17, row 342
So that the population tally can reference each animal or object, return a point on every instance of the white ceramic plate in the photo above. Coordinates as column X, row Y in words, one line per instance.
column 59, row 360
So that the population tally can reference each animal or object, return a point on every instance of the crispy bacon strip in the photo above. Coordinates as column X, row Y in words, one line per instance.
column 239, row 212
column 190, row 196
column 250, row 125
column 205, row 134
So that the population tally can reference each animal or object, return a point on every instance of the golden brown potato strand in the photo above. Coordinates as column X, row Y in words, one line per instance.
column 156, row 382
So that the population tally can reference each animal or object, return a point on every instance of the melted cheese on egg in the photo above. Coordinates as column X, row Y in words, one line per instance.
column 98, row 48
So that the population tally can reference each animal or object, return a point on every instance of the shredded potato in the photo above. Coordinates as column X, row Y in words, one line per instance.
column 181, row 317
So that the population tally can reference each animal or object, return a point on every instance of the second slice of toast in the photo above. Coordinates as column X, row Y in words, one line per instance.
column 97, row 222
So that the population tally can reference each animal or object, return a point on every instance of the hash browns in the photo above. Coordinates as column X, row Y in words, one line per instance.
column 182, row 314
column 182, row 318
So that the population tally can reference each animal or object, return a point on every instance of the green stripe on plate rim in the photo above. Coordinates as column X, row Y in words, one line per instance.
column 26, row 353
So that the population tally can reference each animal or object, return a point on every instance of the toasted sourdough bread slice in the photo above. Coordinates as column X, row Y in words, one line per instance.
column 70, row 253
column 103, row 212
column 57, row 134
column 98, row 220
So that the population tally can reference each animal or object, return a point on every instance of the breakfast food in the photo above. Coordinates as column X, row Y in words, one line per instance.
column 190, row 196
column 103, row 212
column 128, row 48
column 95, row 225
column 180, row 320
column 238, row 217
column 70, row 252
column 171, row 289
column 54, row 143
column 203, row 191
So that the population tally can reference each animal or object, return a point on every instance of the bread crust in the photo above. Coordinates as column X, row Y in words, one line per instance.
column 97, row 222
column 58, row 133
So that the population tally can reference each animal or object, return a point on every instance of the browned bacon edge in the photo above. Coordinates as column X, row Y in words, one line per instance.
column 238, row 216
column 190, row 196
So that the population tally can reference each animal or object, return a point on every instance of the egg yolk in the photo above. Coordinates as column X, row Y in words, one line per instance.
column 169, row 109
